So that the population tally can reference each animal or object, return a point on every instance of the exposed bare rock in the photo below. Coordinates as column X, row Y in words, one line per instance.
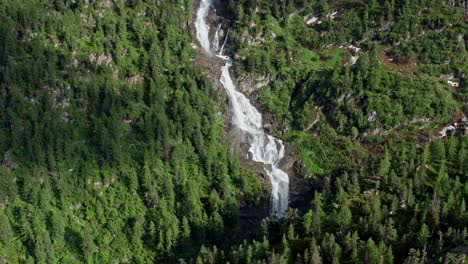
column 115, row 73
column 261, row 37
column 88, row 20
column 9, row 160
column 372, row 117
column 387, row 25
column 30, row 35
column 97, row 185
column 458, row 127
column 459, row 3
column 76, row 206
column 384, row 132
column 100, row 58
column 109, row 182
column 346, row 97
column 252, row 40
column 355, row 52
column 58, row 95
column 300, row 187
column 316, row 120
column 132, row 81
column 106, row 3
column 250, row 83
column 448, row 76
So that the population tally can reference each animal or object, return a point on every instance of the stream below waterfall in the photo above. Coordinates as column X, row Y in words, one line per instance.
column 264, row 148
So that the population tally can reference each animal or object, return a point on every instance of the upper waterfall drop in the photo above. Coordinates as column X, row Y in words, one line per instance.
column 202, row 28
column 263, row 147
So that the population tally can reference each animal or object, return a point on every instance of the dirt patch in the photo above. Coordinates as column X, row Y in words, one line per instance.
column 364, row 146
column 211, row 65
column 406, row 67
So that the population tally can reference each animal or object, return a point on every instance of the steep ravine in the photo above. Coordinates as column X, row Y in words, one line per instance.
column 300, row 191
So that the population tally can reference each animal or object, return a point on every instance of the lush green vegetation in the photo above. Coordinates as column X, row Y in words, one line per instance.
column 363, row 128
column 401, row 52
column 115, row 136
column 409, row 206
column 111, row 140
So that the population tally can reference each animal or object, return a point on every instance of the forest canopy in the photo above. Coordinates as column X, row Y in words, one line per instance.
column 113, row 143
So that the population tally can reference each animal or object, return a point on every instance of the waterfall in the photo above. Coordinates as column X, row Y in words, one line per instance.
column 216, row 39
column 202, row 28
column 264, row 148
column 224, row 43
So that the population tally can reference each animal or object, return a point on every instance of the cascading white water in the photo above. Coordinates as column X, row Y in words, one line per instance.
column 216, row 39
column 202, row 28
column 263, row 147
column 224, row 43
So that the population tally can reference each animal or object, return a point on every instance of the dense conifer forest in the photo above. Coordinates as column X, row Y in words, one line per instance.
column 113, row 146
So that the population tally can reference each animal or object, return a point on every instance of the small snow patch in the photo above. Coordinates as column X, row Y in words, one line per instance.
column 354, row 59
column 453, row 84
column 354, row 53
column 332, row 15
column 312, row 20
column 443, row 132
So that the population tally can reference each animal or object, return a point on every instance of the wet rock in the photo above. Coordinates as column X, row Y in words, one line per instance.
column 301, row 189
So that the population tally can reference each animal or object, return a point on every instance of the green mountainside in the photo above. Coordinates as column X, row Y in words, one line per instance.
column 112, row 148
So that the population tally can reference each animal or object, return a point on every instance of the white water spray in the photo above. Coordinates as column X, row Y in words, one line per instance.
column 263, row 147
column 224, row 43
column 202, row 28
column 216, row 38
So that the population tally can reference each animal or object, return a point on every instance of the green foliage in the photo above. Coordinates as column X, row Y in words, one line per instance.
column 111, row 142
column 385, row 194
column 387, row 89
column 113, row 148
